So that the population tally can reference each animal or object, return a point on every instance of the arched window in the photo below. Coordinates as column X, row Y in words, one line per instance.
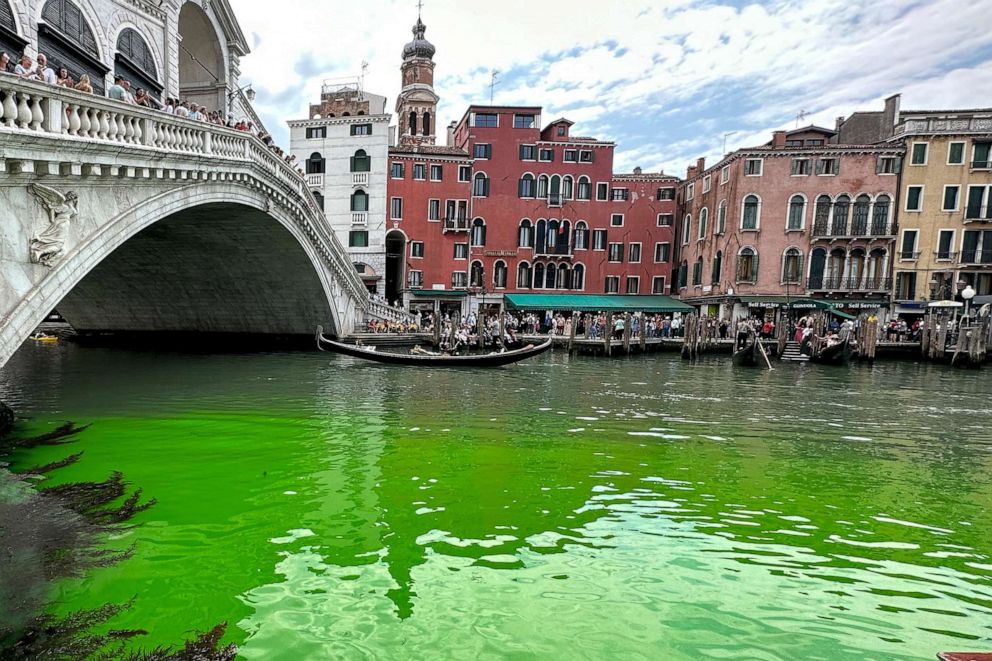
column 67, row 39
column 475, row 277
column 499, row 274
column 721, row 218
column 315, row 164
column 361, row 162
column 579, row 277
column 566, row 187
column 859, row 221
column 478, row 237
column 564, row 277
column 697, row 272
column 704, row 216
column 550, row 273
column 716, row 274
column 480, row 185
column 686, row 229
column 413, row 122
column 523, row 275
column 835, row 268
column 134, row 61
column 585, row 188
column 751, row 214
column 552, row 238
column 821, row 220
column 554, row 194
column 525, row 187
column 426, row 122
column 538, row 276
column 359, row 200
column 525, row 236
column 542, row 186
column 564, row 239
column 797, row 213
column 876, row 269
column 541, row 237
column 747, row 265
column 817, row 263
column 581, row 236
column 792, row 266
column 842, row 207
column 880, row 216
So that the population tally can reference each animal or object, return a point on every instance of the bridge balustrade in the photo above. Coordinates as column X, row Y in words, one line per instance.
column 71, row 115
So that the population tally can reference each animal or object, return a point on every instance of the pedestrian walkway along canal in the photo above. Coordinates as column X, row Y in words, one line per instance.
column 562, row 508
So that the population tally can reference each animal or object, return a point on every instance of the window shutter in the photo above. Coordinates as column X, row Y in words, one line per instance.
column 754, row 268
column 799, row 267
column 898, row 165
column 878, row 165
column 819, row 166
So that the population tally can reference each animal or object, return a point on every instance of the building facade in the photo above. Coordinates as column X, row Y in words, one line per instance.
column 511, row 205
column 180, row 48
column 796, row 218
column 343, row 148
column 945, row 210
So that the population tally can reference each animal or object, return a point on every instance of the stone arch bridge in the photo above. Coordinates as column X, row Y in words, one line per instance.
column 129, row 219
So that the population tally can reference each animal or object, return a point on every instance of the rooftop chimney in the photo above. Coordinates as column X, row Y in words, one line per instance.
column 637, row 170
column 839, row 123
column 778, row 139
column 691, row 171
column 451, row 134
column 700, row 165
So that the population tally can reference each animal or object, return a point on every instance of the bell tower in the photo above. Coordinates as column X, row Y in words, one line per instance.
column 416, row 105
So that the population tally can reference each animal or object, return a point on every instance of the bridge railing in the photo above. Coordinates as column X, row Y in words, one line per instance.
column 36, row 107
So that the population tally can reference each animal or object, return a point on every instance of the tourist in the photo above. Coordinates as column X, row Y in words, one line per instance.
column 117, row 91
column 64, row 79
column 618, row 328
column 126, row 84
column 677, row 327
column 141, row 98
column 743, row 330
column 44, row 72
column 25, row 69
column 5, row 66
column 182, row 110
column 84, row 84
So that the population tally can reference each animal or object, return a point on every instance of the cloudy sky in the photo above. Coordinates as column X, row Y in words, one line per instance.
column 665, row 79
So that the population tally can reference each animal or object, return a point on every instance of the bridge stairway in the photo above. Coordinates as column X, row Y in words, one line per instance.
column 793, row 353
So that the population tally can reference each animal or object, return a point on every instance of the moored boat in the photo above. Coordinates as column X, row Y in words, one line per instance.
column 429, row 359
column 837, row 354
column 750, row 354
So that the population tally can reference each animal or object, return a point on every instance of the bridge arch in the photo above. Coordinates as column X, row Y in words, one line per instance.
column 92, row 282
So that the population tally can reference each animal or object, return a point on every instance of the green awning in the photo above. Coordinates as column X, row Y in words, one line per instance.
column 842, row 315
column 439, row 293
column 595, row 303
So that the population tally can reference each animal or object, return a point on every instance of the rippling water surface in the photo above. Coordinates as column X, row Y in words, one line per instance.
column 638, row 508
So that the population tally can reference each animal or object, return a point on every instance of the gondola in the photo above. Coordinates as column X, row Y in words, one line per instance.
column 750, row 354
column 838, row 354
column 430, row 359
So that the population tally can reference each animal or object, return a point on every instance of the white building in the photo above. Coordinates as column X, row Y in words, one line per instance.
column 344, row 149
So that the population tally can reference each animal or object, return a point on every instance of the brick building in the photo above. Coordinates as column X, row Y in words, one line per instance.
column 796, row 218
column 508, row 206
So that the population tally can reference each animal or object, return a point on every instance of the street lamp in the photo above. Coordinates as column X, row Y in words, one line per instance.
column 967, row 294
column 249, row 94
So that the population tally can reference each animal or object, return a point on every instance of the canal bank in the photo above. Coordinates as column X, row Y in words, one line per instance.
column 328, row 507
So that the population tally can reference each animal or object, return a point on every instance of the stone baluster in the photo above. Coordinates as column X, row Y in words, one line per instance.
column 111, row 125
column 24, row 115
column 85, row 122
column 104, row 118
column 208, row 147
column 37, row 114
column 121, row 128
column 128, row 128
column 9, row 109
column 72, row 117
column 137, row 130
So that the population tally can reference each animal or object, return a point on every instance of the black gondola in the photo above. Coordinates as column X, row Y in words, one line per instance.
column 838, row 354
column 750, row 354
column 430, row 359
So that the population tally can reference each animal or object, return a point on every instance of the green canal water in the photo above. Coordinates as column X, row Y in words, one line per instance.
column 640, row 508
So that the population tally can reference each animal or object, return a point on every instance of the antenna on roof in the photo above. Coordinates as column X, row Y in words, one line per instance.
column 492, row 84
column 725, row 136
column 420, row 5
column 361, row 79
column 800, row 117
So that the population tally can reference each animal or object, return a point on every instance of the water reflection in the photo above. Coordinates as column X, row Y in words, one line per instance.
column 559, row 507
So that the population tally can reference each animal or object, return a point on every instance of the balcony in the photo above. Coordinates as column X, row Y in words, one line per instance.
column 359, row 179
column 315, row 180
column 981, row 165
column 978, row 214
column 861, row 284
column 456, row 225
column 564, row 252
column 858, row 229
column 976, row 257
column 359, row 218
column 908, row 255
column 944, row 256
column 554, row 199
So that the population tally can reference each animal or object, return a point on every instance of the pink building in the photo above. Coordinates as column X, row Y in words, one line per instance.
column 796, row 218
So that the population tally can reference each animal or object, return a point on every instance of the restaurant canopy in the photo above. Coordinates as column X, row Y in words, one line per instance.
column 801, row 303
column 595, row 303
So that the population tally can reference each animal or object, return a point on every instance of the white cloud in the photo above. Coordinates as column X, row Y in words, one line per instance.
column 665, row 80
